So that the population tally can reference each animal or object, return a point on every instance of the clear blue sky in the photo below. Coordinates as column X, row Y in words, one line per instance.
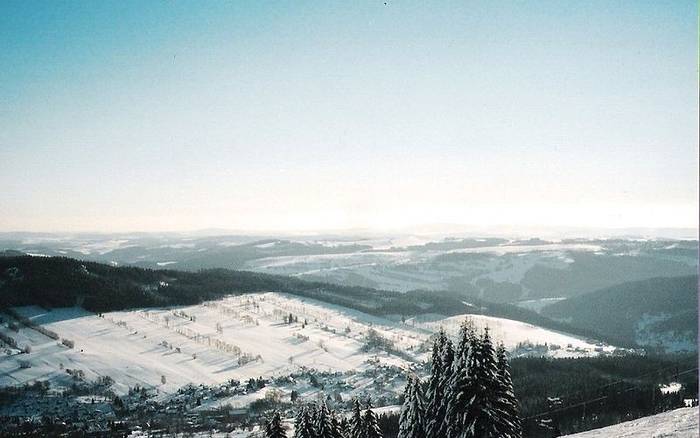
column 175, row 115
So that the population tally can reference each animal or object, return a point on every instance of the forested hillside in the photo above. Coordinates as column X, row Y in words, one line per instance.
column 60, row 282
column 660, row 311
column 573, row 395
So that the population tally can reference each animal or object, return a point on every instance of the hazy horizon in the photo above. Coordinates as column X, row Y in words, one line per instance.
column 432, row 231
column 169, row 117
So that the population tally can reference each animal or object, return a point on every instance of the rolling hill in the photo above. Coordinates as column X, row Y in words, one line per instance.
column 499, row 269
column 219, row 340
column 659, row 312
column 62, row 282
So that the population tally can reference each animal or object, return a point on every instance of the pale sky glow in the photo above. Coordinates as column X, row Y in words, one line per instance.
column 158, row 116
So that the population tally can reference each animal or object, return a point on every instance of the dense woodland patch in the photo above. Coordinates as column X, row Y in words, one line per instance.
column 573, row 395
column 617, row 310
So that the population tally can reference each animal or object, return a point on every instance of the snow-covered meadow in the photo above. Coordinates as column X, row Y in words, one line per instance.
column 234, row 338
column 512, row 333
column 238, row 337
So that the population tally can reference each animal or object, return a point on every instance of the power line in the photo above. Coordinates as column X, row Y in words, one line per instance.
column 583, row 403
column 622, row 380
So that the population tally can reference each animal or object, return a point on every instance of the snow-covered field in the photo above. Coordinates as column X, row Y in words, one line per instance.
column 238, row 337
column 183, row 344
column 512, row 333
column 679, row 423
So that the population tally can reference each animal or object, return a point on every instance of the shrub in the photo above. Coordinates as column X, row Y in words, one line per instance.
column 68, row 343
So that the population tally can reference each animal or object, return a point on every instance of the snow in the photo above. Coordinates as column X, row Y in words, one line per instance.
column 100, row 246
column 512, row 333
column 538, row 304
column 395, row 267
column 679, row 423
column 671, row 388
column 138, row 347
column 267, row 245
column 507, row 249
column 128, row 346
column 391, row 409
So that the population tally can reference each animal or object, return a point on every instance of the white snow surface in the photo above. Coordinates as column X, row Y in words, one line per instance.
column 128, row 346
column 512, row 332
column 671, row 388
column 138, row 347
column 679, row 423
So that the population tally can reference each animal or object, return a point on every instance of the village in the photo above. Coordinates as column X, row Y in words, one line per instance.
column 203, row 368
column 93, row 408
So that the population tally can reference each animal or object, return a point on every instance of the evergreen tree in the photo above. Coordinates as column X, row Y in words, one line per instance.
column 435, row 392
column 345, row 426
column 482, row 417
column 322, row 423
column 459, row 388
column 405, row 407
column 508, row 420
column 273, row 428
column 337, row 429
column 447, row 359
column 371, row 425
column 357, row 424
column 304, row 426
column 447, row 355
column 411, row 420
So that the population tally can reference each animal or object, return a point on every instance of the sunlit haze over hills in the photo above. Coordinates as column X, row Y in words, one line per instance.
column 301, row 116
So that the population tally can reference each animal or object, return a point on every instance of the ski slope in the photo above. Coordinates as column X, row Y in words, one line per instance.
column 679, row 423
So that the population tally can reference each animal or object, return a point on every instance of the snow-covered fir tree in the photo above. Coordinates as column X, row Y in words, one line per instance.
column 460, row 384
column 337, row 430
column 371, row 425
column 273, row 428
column 405, row 407
column 447, row 358
column 297, row 417
column 357, row 425
column 322, row 422
column 508, row 422
column 481, row 414
column 345, row 426
column 436, row 387
column 470, row 391
column 411, row 420
column 304, row 426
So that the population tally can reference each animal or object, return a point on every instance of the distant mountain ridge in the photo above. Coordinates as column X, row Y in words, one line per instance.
column 494, row 269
